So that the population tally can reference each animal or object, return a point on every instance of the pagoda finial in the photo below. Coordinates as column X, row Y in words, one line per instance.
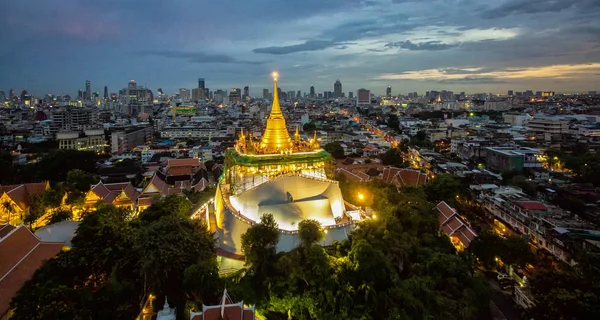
column 297, row 135
column 276, row 137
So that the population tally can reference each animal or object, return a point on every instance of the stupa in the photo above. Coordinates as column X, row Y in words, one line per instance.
column 283, row 176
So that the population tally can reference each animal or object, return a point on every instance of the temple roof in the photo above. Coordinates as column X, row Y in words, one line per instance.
column 276, row 137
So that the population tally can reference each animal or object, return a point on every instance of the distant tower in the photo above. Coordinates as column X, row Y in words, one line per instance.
column 105, row 92
column 388, row 92
column 246, row 93
column 201, row 83
column 11, row 93
column 80, row 95
column 88, row 90
column 312, row 92
column 337, row 89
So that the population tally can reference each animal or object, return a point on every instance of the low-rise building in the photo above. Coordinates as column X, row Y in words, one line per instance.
column 502, row 159
column 88, row 140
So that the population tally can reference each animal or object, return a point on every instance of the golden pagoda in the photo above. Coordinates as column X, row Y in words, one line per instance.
column 276, row 137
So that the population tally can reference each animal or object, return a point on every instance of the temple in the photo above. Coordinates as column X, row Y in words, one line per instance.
column 280, row 175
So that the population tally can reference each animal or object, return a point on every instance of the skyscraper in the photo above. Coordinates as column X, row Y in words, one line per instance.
column 510, row 93
column 312, row 92
column 201, row 84
column 105, row 92
column 364, row 96
column 350, row 95
column 388, row 92
column 2, row 97
column 266, row 94
column 246, row 93
column 80, row 95
column 298, row 94
column 11, row 94
column 88, row 90
column 337, row 89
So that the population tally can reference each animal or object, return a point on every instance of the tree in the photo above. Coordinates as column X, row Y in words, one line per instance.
column 81, row 180
column 521, row 182
column 444, row 187
column 9, row 208
column 571, row 293
column 60, row 215
column 170, row 246
column 335, row 149
column 515, row 251
column 169, row 205
column 486, row 247
column 310, row 232
column 393, row 157
column 56, row 165
column 393, row 122
column 309, row 127
column 259, row 241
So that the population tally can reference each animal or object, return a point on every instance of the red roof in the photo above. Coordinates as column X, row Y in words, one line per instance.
column 452, row 224
column 22, row 253
column 531, row 205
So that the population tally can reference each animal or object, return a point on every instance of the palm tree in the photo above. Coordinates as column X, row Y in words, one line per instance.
column 9, row 207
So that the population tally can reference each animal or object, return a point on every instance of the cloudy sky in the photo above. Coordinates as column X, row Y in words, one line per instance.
column 460, row 45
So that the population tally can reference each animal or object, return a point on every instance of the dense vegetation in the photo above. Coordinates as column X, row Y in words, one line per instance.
column 115, row 262
column 396, row 266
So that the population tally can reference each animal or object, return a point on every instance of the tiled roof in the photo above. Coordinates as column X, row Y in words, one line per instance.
column 21, row 193
column 5, row 229
column 187, row 162
column 22, row 253
column 403, row 177
column 354, row 176
column 452, row 224
column 179, row 171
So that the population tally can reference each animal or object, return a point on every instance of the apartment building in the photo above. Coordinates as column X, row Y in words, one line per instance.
column 502, row 159
column 124, row 139
column 548, row 227
column 86, row 140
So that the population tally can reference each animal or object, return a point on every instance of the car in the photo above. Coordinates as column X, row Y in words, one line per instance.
column 501, row 276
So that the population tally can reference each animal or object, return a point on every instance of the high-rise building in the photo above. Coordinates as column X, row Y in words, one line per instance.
column 266, row 94
column 80, row 95
column 299, row 95
column 201, row 83
column 11, row 94
column 510, row 93
column 350, row 95
column 134, row 94
column 415, row 95
column 388, row 92
column 312, row 92
column 337, row 89
column 185, row 95
column 592, row 93
column 105, row 92
column 88, row 90
column 2, row 97
column 235, row 95
column 363, row 96
column 246, row 93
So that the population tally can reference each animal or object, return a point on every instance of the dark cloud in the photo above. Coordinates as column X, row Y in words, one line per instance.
column 529, row 7
column 421, row 46
column 472, row 80
column 198, row 57
column 311, row 45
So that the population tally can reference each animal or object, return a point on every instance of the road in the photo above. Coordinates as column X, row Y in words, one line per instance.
column 503, row 301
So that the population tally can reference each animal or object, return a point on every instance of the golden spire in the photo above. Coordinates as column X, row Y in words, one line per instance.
column 276, row 137
column 297, row 135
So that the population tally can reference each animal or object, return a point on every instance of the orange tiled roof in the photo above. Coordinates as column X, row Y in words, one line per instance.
column 453, row 225
column 22, row 253
column 179, row 171
column 21, row 193
column 187, row 162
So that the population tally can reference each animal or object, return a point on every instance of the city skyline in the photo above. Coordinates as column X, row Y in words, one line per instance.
column 372, row 44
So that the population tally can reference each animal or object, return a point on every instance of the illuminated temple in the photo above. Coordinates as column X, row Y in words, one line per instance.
column 283, row 176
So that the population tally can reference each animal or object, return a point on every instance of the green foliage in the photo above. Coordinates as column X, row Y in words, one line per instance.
column 310, row 232
column 335, row 149
column 258, row 243
column 114, row 262
column 397, row 266
column 513, row 250
column 572, row 293
column 60, row 215
column 420, row 140
column 169, row 205
column 445, row 187
column 393, row 123
column 81, row 180
column 527, row 186
column 309, row 127
column 393, row 157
